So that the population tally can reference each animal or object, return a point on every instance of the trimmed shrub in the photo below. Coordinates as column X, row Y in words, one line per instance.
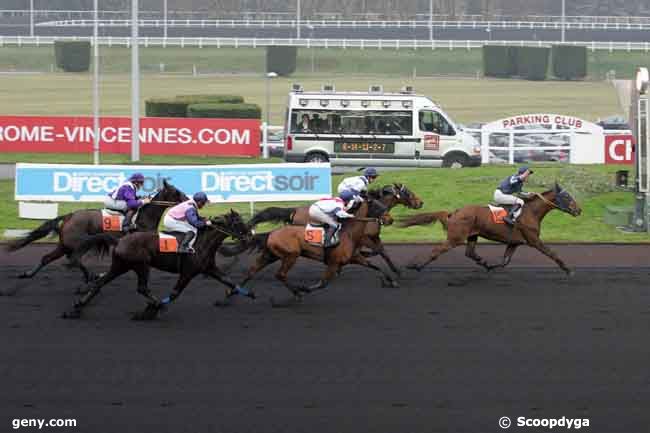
column 225, row 111
column 281, row 60
column 532, row 62
column 165, row 107
column 217, row 99
column 496, row 61
column 569, row 62
column 72, row 56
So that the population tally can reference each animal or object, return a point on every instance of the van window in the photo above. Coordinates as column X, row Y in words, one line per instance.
column 373, row 122
column 432, row 121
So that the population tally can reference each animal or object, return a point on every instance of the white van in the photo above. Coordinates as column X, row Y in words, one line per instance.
column 374, row 128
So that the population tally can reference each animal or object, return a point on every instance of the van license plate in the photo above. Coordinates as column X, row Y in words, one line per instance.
column 363, row 147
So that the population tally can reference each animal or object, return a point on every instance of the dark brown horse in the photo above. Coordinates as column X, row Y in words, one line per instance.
column 288, row 243
column 139, row 252
column 389, row 195
column 74, row 227
column 470, row 222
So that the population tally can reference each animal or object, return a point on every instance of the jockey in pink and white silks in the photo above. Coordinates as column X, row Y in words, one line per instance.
column 185, row 218
column 124, row 199
column 330, row 211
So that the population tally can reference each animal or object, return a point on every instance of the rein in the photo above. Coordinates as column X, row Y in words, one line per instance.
column 163, row 203
column 547, row 201
column 215, row 227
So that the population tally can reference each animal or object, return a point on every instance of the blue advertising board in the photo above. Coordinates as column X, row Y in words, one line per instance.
column 222, row 183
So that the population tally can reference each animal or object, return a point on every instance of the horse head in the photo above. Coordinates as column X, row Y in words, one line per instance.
column 406, row 197
column 170, row 193
column 234, row 224
column 562, row 200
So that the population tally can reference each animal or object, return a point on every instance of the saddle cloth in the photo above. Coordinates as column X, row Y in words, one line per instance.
column 499, row 213
column 112, row 220
column 315, row 234
column 168, row 242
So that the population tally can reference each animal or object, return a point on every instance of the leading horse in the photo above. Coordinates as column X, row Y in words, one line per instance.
column 470, row 222
column 74, row 227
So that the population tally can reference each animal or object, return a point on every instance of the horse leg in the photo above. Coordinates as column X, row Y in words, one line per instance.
column 154, row 306
column 386, row 278
column 282, row 273
column 333, row 269
column 507, row 255
column 94, row 289
column 470, row 252
column 262, row 261
column 58, row 252
column 436, row 252
column 377, row 247
column 233, row 288
column 542, row 248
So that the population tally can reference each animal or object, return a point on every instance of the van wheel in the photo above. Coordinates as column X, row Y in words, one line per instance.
column 455, row 160
column 316, row 157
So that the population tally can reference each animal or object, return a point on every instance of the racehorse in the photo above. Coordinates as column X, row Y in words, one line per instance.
column 287, row 243
column 389, row 195
column 72, row 228
column 140, row 251
column 470, row 222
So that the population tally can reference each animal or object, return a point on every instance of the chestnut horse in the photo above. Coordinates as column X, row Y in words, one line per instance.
column 74, row 227
column 389, row 195
column 470, row 222
column 287, row 243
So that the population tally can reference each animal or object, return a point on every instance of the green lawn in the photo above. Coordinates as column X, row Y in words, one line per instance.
column 390, row 62
column 466, row 100
column 593, row 186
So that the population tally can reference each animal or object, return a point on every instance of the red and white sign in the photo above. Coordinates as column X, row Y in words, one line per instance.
column 561, row 122
column 431, row 142
column 158, row 135
column 619, row 149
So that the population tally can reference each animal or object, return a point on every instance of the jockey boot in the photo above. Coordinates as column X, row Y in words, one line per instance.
column 511, row 219
column 332, row 238
column 185, row 248
column 127, row 225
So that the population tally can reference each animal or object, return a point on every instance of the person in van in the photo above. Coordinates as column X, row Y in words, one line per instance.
column 358, row 184
column 316, row 123
column 505, row 193
column 304, row 125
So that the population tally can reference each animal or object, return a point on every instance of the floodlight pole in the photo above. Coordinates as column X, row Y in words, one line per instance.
column 298, row 19
column 135, row 85
column 165, row 19
column 95, row 83
column 563, row 20
column 430, row 20
column 265, row 128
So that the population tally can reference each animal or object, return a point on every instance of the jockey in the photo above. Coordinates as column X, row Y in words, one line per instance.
column 358, row 184
column 329, row 211
column 511, row 185
column 124, row 199
column 185, row 218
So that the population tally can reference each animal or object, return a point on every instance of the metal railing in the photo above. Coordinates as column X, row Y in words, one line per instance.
column 355, row 24
column 315, row 43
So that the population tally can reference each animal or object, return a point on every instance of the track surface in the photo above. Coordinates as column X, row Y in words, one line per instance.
column 453, row 350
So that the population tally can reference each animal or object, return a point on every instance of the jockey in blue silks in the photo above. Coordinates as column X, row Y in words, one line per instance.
column 505, row 193
column 124, row 199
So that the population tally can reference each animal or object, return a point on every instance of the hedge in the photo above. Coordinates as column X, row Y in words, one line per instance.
column 281, row 60
column 569, row 62
column 496, row 61
column 532, row 62
column 225, row 111
column 72, row 56
column 178, row 106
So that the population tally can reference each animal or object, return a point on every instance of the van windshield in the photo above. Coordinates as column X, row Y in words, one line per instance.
column 375, row 122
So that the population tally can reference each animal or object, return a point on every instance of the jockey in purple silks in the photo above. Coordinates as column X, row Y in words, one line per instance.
column 185, row 218
column 124, row 199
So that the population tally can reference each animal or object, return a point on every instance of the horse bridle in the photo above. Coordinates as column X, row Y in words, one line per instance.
column 552, row 203
column 226, row 232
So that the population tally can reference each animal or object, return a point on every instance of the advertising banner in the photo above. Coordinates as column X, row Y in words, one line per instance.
column 222, row 183
column 619, row 149
column 158, row 135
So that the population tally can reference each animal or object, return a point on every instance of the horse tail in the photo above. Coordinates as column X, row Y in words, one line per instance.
column 273, row 214
column 426, row 218
column 99, row 244
column 38, row 233
column 256, row 243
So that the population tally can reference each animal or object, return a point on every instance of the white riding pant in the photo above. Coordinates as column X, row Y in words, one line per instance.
column 318, row 215
column 118, row 205
column 174, row 225
column 501, row 198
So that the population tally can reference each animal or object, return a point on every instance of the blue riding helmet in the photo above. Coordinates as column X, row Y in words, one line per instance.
column 523, row 169
column 347, row 195
column 137, row 177
column 370, row 172
column 200, row 197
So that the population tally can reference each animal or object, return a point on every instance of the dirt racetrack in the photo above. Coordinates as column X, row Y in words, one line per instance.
column 453, row 350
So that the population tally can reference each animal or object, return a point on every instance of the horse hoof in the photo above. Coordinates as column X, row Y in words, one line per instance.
column 72, row 314
column 23, row 275
column 570, row 273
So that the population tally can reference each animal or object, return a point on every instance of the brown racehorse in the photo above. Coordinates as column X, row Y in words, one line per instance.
column 139, row 252
column 389, row 195
column 470, row 222
column 287, row 243
column 72, row 228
